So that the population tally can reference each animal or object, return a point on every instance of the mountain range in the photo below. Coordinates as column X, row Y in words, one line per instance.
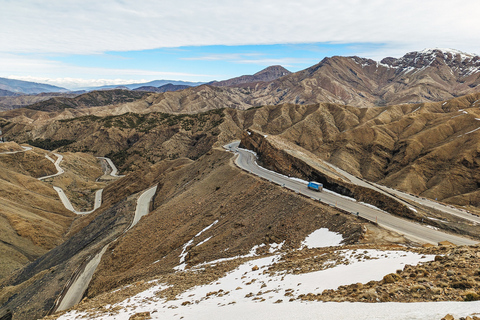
column 26, row 87
column 407, row 126
column 154, row 83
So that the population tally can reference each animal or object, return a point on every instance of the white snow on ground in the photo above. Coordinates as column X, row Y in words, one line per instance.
column 299, row 180
column 413, row 209
column 226, row 298
column 322, row 238
column 200, row 243
column 339, row 195
column 183, row 255
column 372, row 206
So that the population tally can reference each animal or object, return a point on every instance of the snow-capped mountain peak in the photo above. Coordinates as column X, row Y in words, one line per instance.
column 460, row 62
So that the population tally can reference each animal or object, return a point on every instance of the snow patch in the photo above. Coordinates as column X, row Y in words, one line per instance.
column 183, row 255
column 238, row 294
column 322, row 238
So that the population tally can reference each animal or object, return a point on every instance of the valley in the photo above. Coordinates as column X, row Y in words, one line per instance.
column 129, row 203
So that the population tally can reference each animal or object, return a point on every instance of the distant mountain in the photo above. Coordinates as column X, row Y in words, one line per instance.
column 27, row 87
column 6, row 93
column 154, row 83
column 267, row 74
column 164, row 88
column 89, row 99
column 419, row 76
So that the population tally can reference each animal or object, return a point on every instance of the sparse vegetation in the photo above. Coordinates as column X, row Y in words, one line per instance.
column 49, row 144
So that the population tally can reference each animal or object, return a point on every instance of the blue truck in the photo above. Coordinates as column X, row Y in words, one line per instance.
column 315, row 186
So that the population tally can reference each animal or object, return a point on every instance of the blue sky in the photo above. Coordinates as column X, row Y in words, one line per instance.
column 73, row 43
column 206, row 63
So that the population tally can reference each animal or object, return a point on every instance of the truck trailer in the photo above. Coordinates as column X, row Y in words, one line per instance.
column 315, row 186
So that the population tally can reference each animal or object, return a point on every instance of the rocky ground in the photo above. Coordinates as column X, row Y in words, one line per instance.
column 414, row 283
column 454, row 275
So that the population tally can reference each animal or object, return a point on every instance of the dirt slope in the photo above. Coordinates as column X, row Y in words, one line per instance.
column 33, row 218
column 191, row 197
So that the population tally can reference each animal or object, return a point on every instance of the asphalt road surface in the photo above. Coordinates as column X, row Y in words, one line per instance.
column 80, row 282
column 12, row 152
column 247, row 160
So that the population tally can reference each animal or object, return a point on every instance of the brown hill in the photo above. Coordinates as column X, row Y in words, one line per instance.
column 23, row 100
column 130, row 140
column 191, row 195
column 33, row 218
column 90, row 99
column 268, row 74
column 428, row 149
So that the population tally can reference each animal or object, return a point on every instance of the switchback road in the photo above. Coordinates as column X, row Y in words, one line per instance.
column 75, row 290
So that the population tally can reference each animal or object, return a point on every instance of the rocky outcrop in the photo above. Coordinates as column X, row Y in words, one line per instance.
column 453, row 276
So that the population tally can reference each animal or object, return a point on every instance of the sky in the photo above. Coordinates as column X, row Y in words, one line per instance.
column 76, row 44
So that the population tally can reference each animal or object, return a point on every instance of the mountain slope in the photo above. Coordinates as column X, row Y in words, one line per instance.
column 6, row 93
column 426, row 149
column 89, row 99
column 164, row 88
column 268, row 74
column 19, row 86
column 154, row 83
column 428, row 75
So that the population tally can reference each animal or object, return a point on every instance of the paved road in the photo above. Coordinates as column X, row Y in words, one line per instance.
column 63, row 197
column 407, row 198
column 247, row 160
column 80, row 282
column 57, row 166
column 114, row 171
column 12, row 152
column 66, row 202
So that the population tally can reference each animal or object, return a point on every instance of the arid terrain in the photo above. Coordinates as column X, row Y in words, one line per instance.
column 215, row 234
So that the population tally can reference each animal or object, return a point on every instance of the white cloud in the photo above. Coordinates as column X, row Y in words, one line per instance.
column 224, row 56
column 72, row 77
column 87, row 26
column 252, row 58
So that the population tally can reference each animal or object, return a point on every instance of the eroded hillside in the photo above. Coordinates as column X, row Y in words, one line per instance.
column 427, row 149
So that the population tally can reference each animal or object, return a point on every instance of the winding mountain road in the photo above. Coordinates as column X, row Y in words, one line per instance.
column 12, row 152
column 77, row 287
column 63, row 197
column 114, row 171
column 57, row 166
column 246, row 160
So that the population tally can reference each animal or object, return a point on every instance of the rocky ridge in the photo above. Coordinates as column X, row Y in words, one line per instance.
column 424, row 76
column 268, row 74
